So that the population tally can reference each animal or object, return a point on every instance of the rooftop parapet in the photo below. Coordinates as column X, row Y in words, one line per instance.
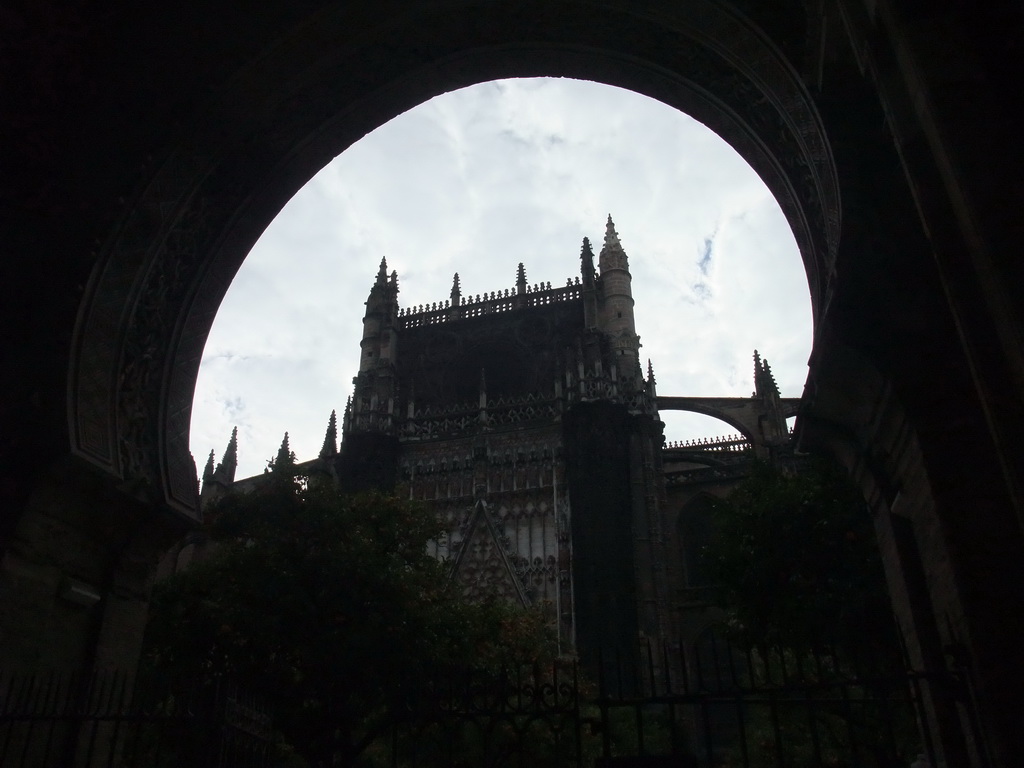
column 537, row 295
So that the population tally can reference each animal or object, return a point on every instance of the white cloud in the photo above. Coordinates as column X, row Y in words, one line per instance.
column 476, row 181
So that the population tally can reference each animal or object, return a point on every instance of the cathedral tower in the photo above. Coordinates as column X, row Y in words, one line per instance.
column 373, row 403
column 616, row 308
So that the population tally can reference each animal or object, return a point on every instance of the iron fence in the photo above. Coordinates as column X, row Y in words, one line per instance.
column 710, row 705
column 114, row 719
column 757, row 708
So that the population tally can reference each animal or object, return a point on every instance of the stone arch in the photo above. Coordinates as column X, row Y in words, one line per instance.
column 740, row 413
column 738, row 424
column 160, row 278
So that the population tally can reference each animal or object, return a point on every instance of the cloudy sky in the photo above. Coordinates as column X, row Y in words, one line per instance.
column 474, row 182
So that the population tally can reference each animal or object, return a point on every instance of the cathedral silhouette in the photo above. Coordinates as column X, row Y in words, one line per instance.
column 524, row 417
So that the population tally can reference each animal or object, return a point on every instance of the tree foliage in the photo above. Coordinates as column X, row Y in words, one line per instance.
column 329, row 606
column 797, row 566
column 799, row 575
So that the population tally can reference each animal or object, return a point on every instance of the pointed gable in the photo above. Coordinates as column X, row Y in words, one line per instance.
column 483, row 567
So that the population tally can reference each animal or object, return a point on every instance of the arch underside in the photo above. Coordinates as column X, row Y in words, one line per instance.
column 741, row 413
column 152, row 299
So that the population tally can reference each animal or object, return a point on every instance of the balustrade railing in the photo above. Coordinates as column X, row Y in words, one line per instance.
column 494, row 302
column 728, row 443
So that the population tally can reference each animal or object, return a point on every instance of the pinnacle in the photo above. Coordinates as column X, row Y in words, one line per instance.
column 456, row 286
column 285, row 457
column 225, row 472
column 587, row 263
column 330, row 447
column 611, row 237
column 208, row 470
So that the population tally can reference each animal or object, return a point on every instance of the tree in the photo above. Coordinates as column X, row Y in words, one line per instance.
column 796, row 564
column 328, row 606
column 798, row 573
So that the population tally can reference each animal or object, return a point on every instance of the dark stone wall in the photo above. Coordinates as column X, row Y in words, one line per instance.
column 522, row 352
column 604, row 580
column 368, row 461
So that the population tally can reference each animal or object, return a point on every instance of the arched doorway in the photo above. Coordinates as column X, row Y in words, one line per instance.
column 915, row 377
column 203, row 227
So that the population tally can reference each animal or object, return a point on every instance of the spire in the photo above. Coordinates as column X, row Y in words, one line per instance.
column 346, row 419
column 587, row 262
column 769, row 379
column 612, row 255
column 231, row 452
column 456, row 294
column 382, row 273
column 651, row 384
column 520, row 280
column 225, row 472
column 330, row 447
column 208, row 471
column 285, row 459
column 611, row 237
column 764, row 381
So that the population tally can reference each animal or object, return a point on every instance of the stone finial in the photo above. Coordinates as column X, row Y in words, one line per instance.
column 587, row 262
column 456, row 293
column 285, row 458
column 650, row 371
column 769, row 377
column 330, row 447
column 611, row 237
column 612, row 255
column 231, row 452
column 382, row 273
column 225, row 472
column 208, row 471
column 521, row 279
